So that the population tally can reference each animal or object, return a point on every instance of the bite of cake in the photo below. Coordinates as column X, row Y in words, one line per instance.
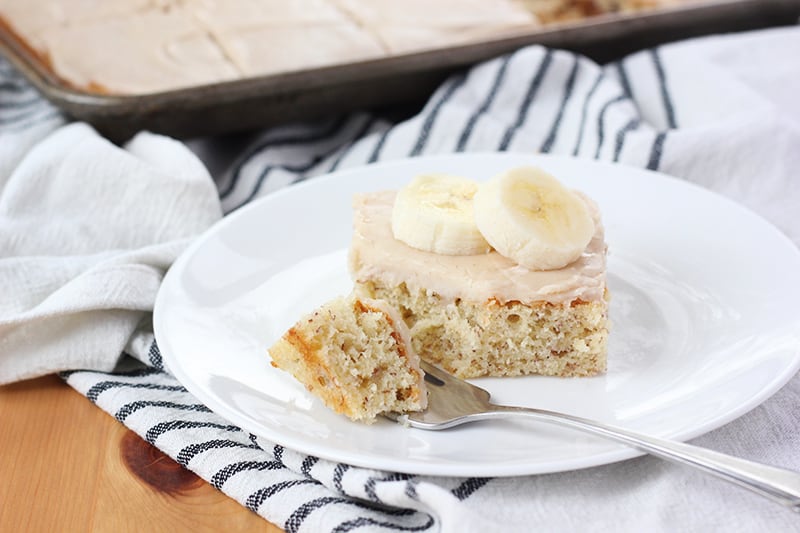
column 355, row 355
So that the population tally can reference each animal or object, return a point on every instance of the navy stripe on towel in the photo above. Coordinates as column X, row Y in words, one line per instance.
column 484, row 107
column 657, row 151
column 190, row 452
column 430, row 120
column 585, row 110
column 469, row 486
column 230, row 470
column 132, row 407
column 255, row 500
column 547, row 145
column 669, row 109
column 173, row 425
column 527, row 101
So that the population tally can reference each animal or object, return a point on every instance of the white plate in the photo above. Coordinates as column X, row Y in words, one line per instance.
column 705, row 323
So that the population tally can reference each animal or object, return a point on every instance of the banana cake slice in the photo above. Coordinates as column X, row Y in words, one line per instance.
column 355, row 355
column 534, row 302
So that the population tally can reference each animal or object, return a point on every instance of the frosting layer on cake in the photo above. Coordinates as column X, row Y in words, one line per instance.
column 376, row 254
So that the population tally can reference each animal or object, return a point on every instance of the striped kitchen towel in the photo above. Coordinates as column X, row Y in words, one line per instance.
column 721, row 112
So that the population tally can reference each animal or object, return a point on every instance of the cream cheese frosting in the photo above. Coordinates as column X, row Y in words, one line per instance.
column 33, row 20
column 145, row 46
column 376, row 255
column 255, row 52
column 162, row 50
column 414, row 25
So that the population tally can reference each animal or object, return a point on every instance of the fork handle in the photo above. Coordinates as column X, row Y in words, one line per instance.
column 777, row 484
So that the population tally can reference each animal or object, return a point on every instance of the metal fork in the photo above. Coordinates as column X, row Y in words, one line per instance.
column 452, row 401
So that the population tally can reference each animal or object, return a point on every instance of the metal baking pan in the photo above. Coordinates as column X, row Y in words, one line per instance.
column 398, row 80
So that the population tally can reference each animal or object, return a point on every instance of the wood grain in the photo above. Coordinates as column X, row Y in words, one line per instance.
column 65, row 465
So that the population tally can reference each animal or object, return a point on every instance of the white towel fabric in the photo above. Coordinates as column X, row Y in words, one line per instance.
column 87, row 231
column 721, row 112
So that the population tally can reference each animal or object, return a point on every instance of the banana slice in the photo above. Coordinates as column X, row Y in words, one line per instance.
column 531, row 218
column 434, row 213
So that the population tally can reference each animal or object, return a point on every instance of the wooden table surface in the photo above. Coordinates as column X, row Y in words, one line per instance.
column 66, row 465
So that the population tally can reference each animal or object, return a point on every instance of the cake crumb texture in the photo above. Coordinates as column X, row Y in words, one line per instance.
column 473, row 339
column 355, row 356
